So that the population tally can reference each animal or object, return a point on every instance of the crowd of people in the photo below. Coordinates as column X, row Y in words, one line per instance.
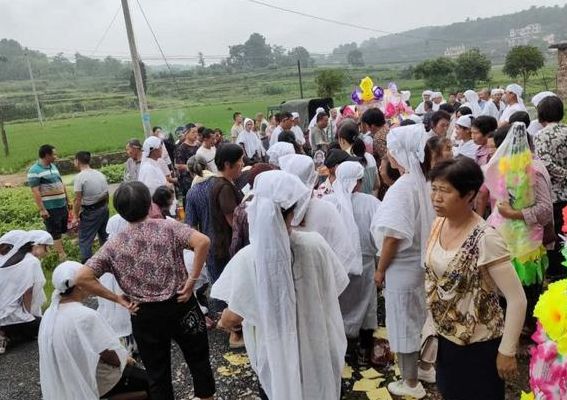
column 285, row 236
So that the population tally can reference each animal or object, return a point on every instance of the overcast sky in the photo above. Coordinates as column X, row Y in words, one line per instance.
column 185, row 27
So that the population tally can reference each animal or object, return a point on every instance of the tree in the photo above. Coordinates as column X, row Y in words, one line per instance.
column 329, row 82
column 472, row 66
column 524, row 61
column 236, row 56
column 300, row 53
column 144, row 79
column 438, row 74
column 257, row 54
column 355, row 59
column 201, row 60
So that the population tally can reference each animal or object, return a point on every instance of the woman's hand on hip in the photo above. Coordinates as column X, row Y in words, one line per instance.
column 507, row 366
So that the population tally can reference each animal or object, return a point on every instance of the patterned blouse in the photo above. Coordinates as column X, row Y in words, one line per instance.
column 463, row 299
column 146, row 259
column 551, row 148
column 379, row 146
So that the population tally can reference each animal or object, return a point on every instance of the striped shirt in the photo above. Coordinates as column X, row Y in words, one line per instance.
column 50, row 185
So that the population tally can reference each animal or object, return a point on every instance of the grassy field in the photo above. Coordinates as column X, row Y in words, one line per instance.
column 101, row 116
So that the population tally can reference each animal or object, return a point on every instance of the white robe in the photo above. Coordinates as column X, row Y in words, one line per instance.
column 467, row 149
column 14, row 283
column 275, row 135
column 323, row 218
column 508, row 111
column 151, row 175
column 358, row 301
column 68, row 360
column 116, row 316
column 319, row 279
column 491, row 110
column 298, row 132
column 252, row 144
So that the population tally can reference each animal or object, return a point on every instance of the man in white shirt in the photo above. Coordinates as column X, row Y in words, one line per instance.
column 514, row 103
column 207, row 150
column 236, row 127
column 296, row 129
column 286, row 122
column 91, row 204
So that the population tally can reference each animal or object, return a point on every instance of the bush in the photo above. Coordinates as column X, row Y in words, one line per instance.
column 271, row 90
column 114, row 173
column 329, row 82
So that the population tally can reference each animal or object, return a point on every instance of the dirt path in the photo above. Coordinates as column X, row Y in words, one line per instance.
column 13, row 180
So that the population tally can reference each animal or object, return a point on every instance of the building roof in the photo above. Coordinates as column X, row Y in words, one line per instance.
column 559, row 46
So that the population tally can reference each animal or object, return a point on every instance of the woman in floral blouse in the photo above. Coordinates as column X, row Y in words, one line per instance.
column 467, row 265
column 551, row 147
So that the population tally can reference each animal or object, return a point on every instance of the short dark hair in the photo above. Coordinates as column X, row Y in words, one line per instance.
column 447, row 108
column 135, row 143
column 289, row 137
column 463, row 173
column 550, row 109
column 162, row 197
column 236, row 114
column 464, row 110
column 278, row 117
column 83, row 157
column 407, row 122
column 485, row 124
column 155, row 128
column 189, row 126
column 132, row 200
column 228, row 153
column 373, row 116
column 200, row 130
column 321, row 115
column 438, row 116
column 520, row 116
column 207, row 133
column 428, row 104
column 285, row 115
column 45, row 150
column 500, row 134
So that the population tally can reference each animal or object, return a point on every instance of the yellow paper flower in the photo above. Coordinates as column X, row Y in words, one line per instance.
column 527, row 396
column 551, row 311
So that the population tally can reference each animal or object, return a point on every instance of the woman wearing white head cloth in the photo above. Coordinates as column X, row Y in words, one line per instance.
column 472, row 102
column 437, row 99
column 151, row 173
column 250, row 142
column 80, row 356
column 284, row 289
column 279, row 150
column 401, row 229
column 535, row 125
column 21, row 288
column 322, row 217
column 514, row 103
column 313, row 121
column 425, row 96
column 492, row 109
column 358, row 301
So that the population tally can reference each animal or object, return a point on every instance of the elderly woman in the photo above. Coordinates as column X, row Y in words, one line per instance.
column 358, row 301
column 468, row 265
column 400, row 230
column 21, row 285
column 251, row 143
column 283, row 288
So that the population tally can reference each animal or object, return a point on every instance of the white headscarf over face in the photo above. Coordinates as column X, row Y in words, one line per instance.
column 472, row 102
column 279, row 150
column 303, row 167
column 517, row 90
column 277, row 316
column 348, row 174
column 252, row 144
column 17, row 239
column 313, row 121
column 407, row 145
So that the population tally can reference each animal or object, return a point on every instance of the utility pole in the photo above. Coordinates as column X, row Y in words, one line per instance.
column 142, row 101
column 39, row 116
column 300, row 81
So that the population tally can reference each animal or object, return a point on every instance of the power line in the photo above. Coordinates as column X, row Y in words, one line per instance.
column 105, row 32
column 342, row 23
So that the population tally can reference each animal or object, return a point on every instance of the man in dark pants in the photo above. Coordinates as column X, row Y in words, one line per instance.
column 91, row 204
column 147, row 261
column 50, row 196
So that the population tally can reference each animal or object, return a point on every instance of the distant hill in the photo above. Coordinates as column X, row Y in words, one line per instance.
column 539, row 26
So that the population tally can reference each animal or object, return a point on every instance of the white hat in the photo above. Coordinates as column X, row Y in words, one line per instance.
column 465, row 121
column 516, row 89
column 38, row 237
column 65, row 275
column 436, row 95
column 496, row 91
column 540, row 96
column 151, row 143
column 295, row 115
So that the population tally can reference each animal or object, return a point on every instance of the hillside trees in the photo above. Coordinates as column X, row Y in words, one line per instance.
column 329, row 82
column 470, row 67
column 523, row 61
column 355, row 58
column 438, row 73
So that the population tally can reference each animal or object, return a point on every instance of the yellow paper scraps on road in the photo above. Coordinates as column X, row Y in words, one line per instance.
column 379, row 394
column 365, row 385
column 236, row 359
column 347, row 372
column 381, row 333
column 371, row 374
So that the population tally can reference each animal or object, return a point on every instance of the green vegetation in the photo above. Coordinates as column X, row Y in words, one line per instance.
column 523, row 61
column 114, row 173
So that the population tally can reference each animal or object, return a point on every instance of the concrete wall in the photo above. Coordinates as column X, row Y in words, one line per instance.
column 562, row 74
